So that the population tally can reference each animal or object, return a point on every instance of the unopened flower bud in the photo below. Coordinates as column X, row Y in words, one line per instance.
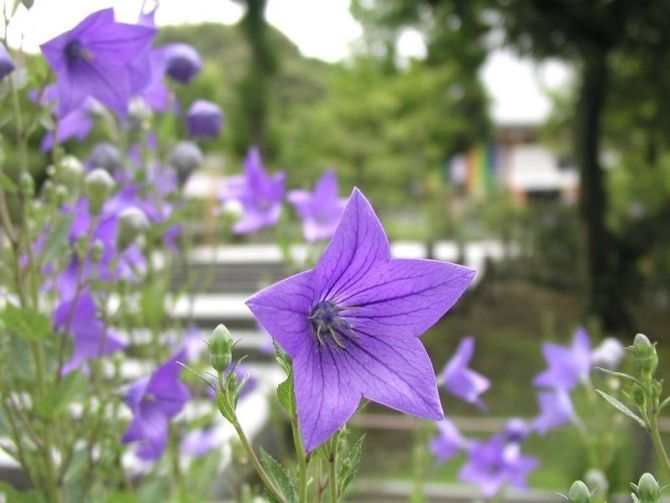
column 69, row 171
column 204, row 119
column 608, row 354
column 221, row 348
column 97, row 250
column 647, row 489
column 6, row 64
column 182, row 62
column 132, row 224
column 27, row 3
column 645, row 355
column 579, row 493
column 139, row 114
column 26, row 184
column 185, row 158
column 597, row 481
column 516, row 430
column 106, row 156
column 99, row 185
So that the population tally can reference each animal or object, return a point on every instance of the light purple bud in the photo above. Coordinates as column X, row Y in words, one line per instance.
column 204, row 119
column 182, row 62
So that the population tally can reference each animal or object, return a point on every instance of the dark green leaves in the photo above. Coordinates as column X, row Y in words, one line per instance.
column 26, row 323
column 349, row 465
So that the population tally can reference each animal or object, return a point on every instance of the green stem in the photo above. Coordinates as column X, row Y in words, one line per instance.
column 658, row 443
column 302, row 460
column 332, row 462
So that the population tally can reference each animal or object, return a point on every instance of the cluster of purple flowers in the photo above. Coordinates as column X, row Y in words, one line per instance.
column 261, row 195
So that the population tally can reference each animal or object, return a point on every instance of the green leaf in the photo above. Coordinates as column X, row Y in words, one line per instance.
column 26, row 323
column 349, row 465
column 279, row 477
column 57, row 239
column 621, row 408
column 664, row 403
column 15, row 496
column 7, row 184
column 282, row 358
column 620, row 375
column 56, row 402
column 286, row 396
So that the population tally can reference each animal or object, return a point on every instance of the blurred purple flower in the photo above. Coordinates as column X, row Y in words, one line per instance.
column 95, row 59
column 6, row 64
column 200, row 441
column 352, row 325
column 448, row 442
column 154, row 400
column 204, row 119
column 555, row 410
column 320, row 210
column 516, row 429
column 496, row 463
column 90, row 338
column 76, row 124
column 461, row 381
column 567, row 366
column 182, row 62
column 259, row 193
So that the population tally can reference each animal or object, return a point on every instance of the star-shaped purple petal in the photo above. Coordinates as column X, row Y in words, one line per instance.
column 95, row 58
column 461, row 381
column 320, row 210
column 154, row 400
column 567, row 366
column 352, row 325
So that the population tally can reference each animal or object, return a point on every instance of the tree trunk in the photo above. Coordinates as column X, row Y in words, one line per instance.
column 605, row 298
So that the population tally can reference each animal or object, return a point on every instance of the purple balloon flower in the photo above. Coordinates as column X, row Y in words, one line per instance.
column 567, row 366
column 320, row 210
column 96, row 58
column 6, row 64
column 76, row 124
column 91, row 339
column 555, row 411
column 496, row 463
column 259, row 193
column 200, row 441
column 448, row 442
column 204, row 119
column 461, row 381
column 154, row 400
column 352, row 325
column 182, row 62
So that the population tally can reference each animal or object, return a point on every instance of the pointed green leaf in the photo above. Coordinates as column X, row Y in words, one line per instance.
column 349, row 465
column 7, row 184
column 620, row 375
column 279, row 477
column 286, row 396
column 664, row 403
column 26, row 322
column 621, row 408
column 57, row 400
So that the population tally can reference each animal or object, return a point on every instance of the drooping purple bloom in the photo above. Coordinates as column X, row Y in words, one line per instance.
column 95, row 59
column 461, row 381
column 497, row 463
column 555, row 410
column 320, row 210
column 259, row 193
column 6, row 64
column 352, row 325
column 204, row 119
column 182, row 62
column 154, row 400
column 90, row 338
column 76, row 124
column 201, row 441
column 448, row 442
column 567, row 366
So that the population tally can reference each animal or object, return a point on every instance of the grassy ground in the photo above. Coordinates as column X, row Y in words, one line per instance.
column 510, row 319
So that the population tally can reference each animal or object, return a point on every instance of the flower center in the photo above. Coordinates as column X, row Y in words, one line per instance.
column 75, row 51
column 328, row 325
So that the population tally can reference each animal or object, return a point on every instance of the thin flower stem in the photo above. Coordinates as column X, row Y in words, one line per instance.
column 250, row 452
column 303, row 460
column 658, row 443
column 332, row 461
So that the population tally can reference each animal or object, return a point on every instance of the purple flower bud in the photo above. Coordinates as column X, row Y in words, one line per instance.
column 182, row 62
column 516, row 430
column 6, row 65
column 105, row 155
column 608, row 354
column 185, row 158
column 204, row 119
